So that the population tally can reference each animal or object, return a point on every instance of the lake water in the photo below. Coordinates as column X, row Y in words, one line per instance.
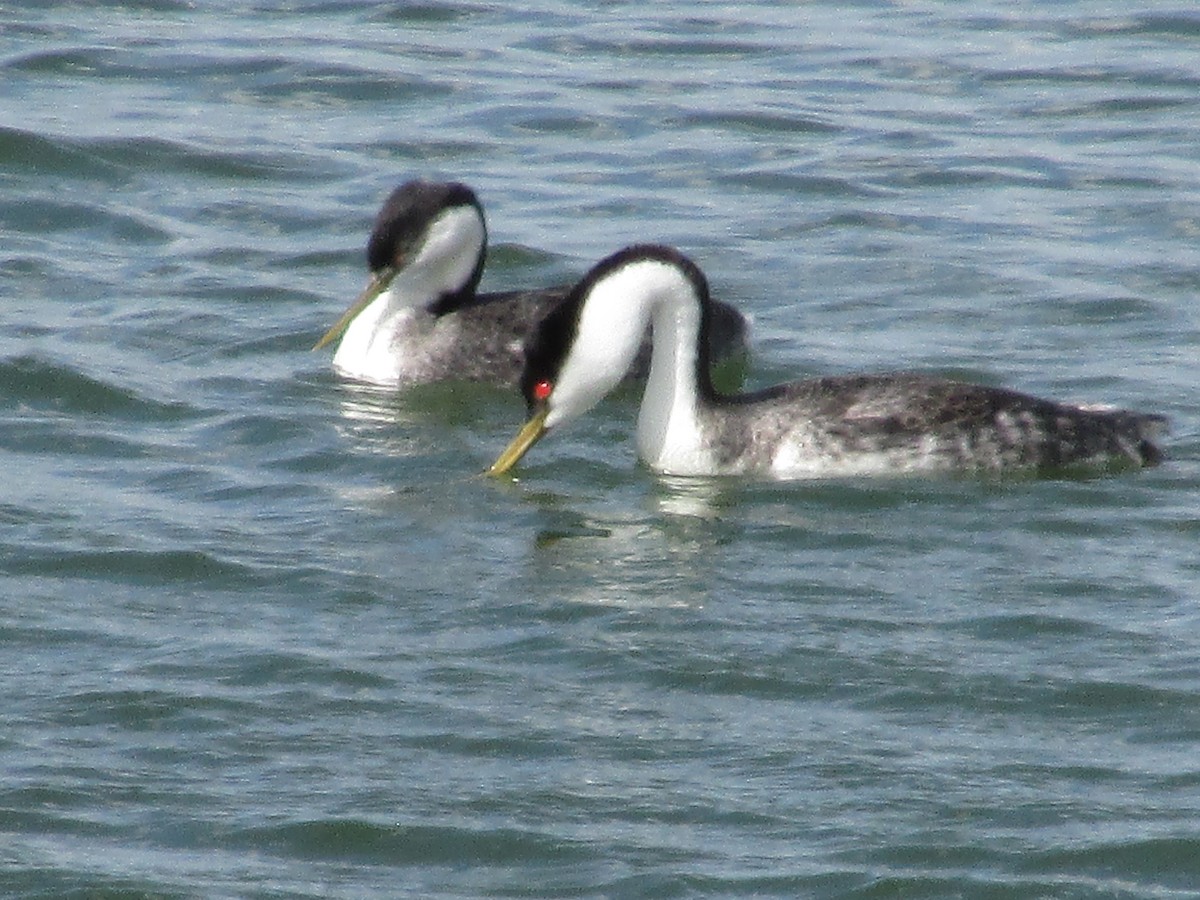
column 266, row 634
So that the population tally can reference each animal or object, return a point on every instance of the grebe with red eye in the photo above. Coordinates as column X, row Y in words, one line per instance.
column 825, row 427
column 420, row 319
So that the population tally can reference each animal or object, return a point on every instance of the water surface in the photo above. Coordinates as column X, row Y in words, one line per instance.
column 266, row 634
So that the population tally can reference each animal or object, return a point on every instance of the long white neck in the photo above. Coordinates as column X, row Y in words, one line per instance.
column 442, row 264
column 668, row 429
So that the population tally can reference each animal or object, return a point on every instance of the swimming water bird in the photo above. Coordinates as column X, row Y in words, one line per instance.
column 824, row 427
column 421, row 320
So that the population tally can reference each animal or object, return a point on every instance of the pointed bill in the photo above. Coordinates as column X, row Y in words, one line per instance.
column 531, row 432
column 377, row 285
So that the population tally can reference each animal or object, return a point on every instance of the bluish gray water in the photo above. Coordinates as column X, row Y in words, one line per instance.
column 266, row 634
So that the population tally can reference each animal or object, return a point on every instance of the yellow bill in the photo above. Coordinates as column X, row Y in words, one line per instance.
column 531, row 432
column 377, row 285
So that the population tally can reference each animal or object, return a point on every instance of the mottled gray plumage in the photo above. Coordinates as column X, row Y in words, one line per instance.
column 920, row 422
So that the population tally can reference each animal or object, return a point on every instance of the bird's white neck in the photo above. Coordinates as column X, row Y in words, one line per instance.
column 367, row 349
column 668, row 430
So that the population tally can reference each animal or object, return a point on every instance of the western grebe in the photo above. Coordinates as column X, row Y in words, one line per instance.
column 420, row 320
column 825, row 427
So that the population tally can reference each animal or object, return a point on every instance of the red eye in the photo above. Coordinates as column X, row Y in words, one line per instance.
column 542, row 390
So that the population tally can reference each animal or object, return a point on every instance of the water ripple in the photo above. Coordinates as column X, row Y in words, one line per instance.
column 268, row 634
column 33, row 383
column 419, row 845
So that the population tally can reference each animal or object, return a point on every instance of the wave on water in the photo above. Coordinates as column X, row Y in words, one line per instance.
column 399, row 844
column 34, row 384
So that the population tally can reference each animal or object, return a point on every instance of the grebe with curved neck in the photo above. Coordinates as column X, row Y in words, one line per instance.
column 420, row 318
column 824, row 427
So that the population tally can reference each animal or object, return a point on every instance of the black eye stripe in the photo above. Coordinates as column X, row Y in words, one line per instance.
column 547, row 347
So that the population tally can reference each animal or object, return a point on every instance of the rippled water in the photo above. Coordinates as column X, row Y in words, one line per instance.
column 265, row 634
